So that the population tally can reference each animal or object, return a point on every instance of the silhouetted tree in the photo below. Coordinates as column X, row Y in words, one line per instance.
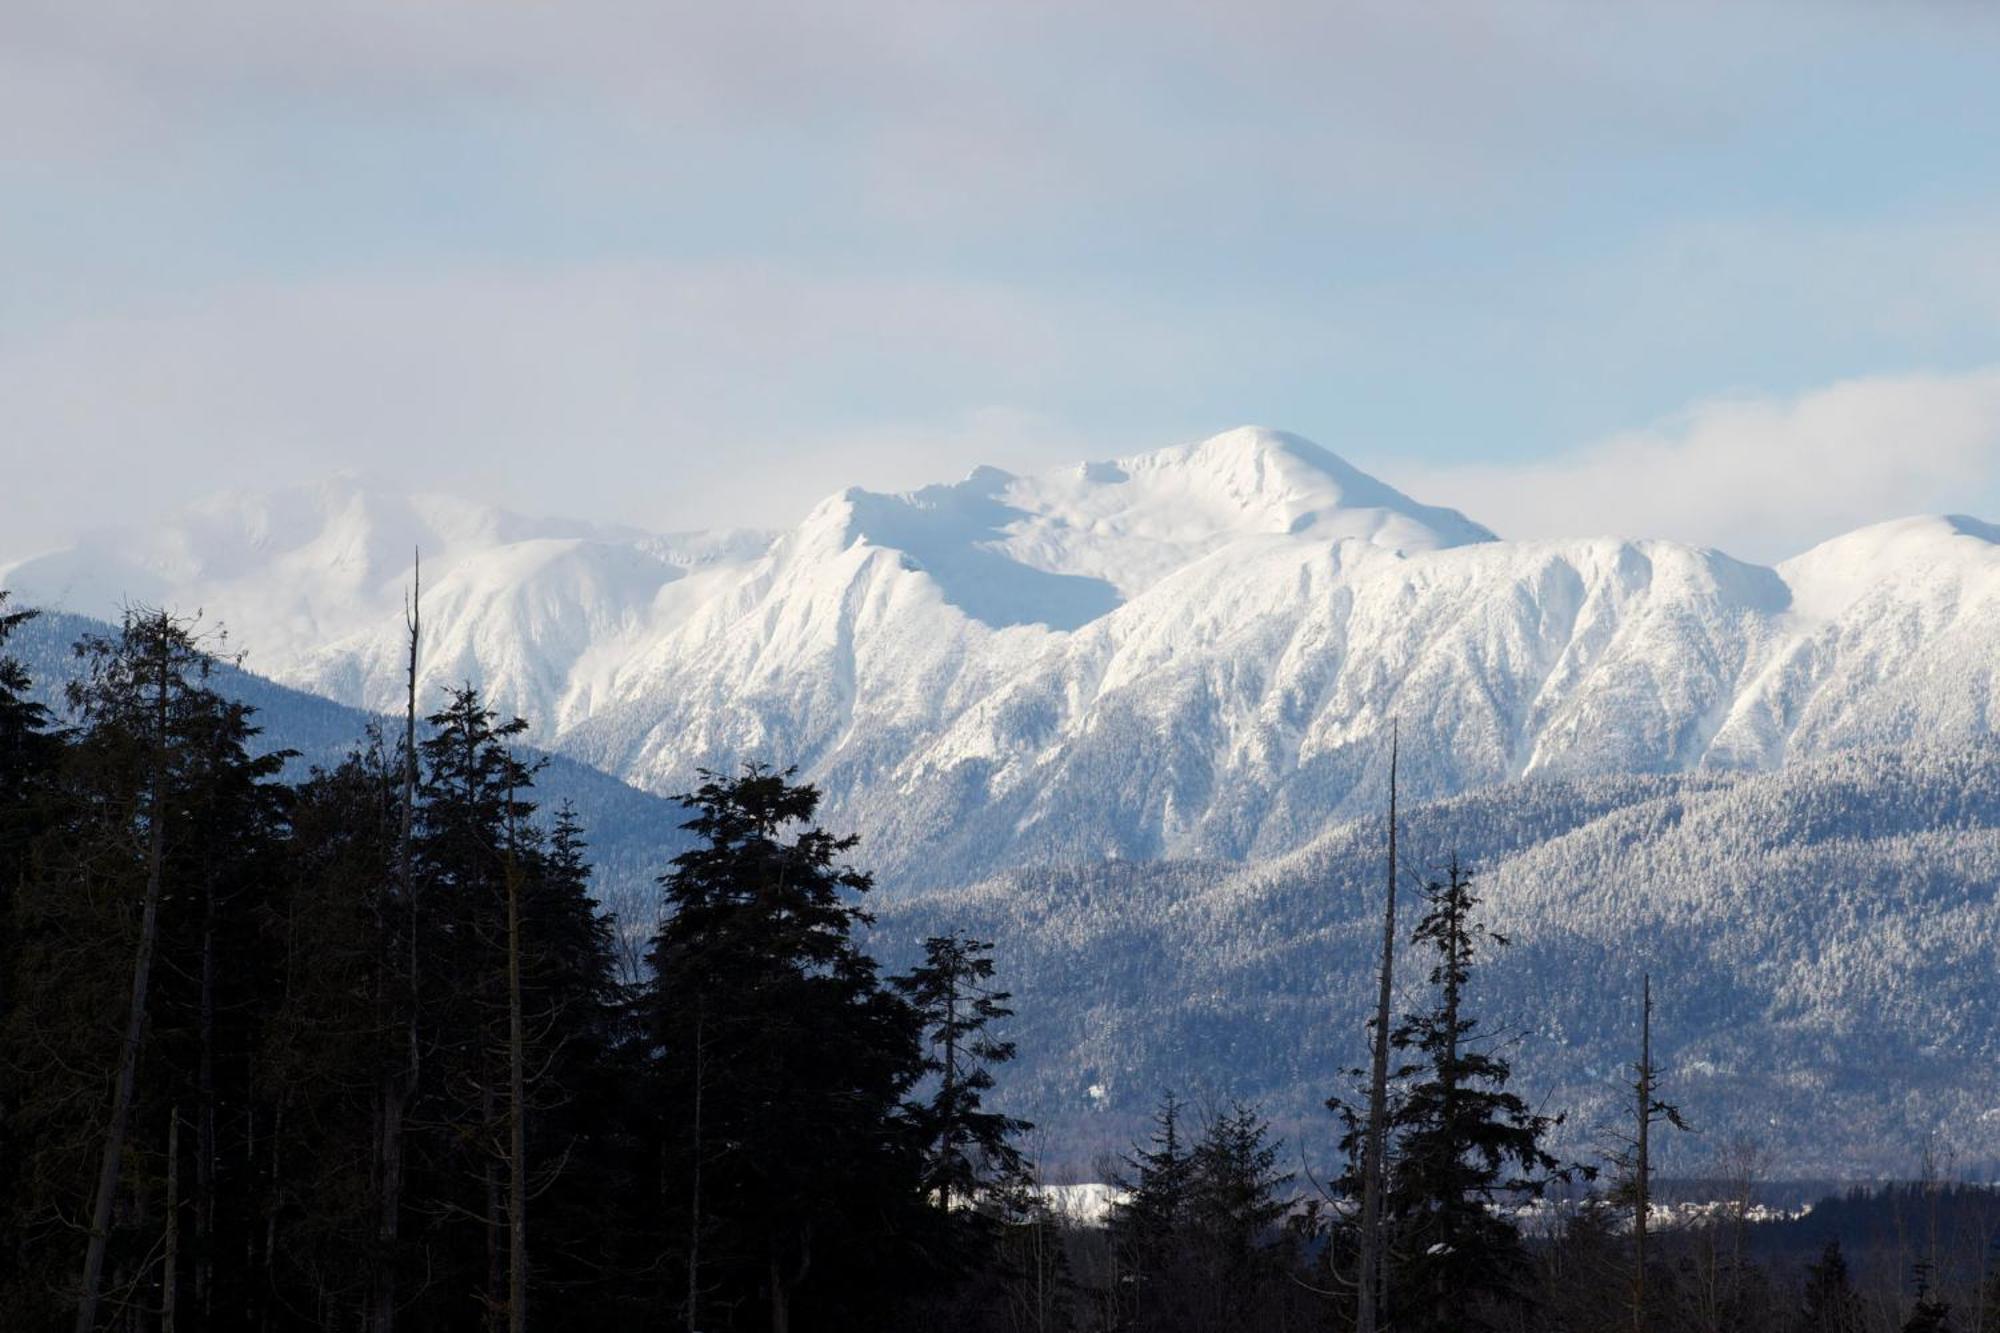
column 791, row 1178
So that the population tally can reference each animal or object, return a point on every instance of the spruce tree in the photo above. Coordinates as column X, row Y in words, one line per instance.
column 338, row 943
column 574, row 1025
column 1829, row 1303
column 1466, row 1146
column 471, row 811
column 790, row 1177
column 28, row 755
column 127, row 1033
column 1151, row 1225
column 1236, row 1214
column 1928, row 1314
column 967, row 1149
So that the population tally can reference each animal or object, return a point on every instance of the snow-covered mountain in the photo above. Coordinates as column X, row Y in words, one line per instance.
column 1191, row 653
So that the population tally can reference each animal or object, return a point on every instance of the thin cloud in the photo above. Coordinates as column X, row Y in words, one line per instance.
column 1761, row 478
column 666, row 396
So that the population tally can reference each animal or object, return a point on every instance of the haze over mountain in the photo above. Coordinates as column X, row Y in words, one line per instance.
column 1190, row 653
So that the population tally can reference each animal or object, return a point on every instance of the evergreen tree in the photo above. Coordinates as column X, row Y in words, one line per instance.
column 339, row 948
column 1236, row 1212
column 790, row 1177
column 967, row 1149
column 573, row 1034
column 1830, row 1304
column 28, row 755
column 1929, row 1314
column 470, row 817
column 1150, row 1226
column 152, row 867
column 1464, row 1143
column 1199, row 1237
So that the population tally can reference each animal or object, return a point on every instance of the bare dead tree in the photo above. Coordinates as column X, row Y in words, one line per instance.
column 399, row 1079
column 170, row 1277
column 1648, row 1110
column 517, row 1108
column 1369, row 1312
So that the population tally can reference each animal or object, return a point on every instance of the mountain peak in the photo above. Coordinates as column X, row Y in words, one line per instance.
column 1255, row 466
column 1253, row 480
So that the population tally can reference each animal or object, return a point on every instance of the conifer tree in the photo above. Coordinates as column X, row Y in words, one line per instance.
column 28, row 754
column 469, row 815
column 1237, row 1209
column 1829, row 1303
column 1465, row 1144
column 152, row 867
column 338, row 944
column 800, row 1186
column 1634, row 1164
column 27, row 751
column 1928, row 1314
column 135, row 688
column 1150, row 1225
column 572, row 1013
column 967, row 1149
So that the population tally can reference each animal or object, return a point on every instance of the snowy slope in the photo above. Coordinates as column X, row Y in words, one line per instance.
column 1820, row 941
column 1195, row 652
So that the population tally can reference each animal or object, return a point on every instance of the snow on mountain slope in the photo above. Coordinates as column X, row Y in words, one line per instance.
column 312, row 581
column 1820, row 941
column 1194, row 652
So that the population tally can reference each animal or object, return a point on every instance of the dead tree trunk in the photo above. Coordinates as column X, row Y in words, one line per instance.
column 205, row 1145
column 399, row 1079
column 170, row 1277
column 1368, row 1310
column 1642, row 1166
column 694, row 1184
column 517, row 1101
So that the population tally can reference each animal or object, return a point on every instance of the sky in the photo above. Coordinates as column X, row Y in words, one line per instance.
column 1727, row 273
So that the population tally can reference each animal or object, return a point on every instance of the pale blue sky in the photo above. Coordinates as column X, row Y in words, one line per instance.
column 681, row 265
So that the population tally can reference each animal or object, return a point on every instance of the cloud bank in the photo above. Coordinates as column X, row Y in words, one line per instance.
column 681, row 264
column 1761, row 478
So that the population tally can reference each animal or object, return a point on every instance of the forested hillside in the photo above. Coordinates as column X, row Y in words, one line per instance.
column 633, row 833
column 1822, row 941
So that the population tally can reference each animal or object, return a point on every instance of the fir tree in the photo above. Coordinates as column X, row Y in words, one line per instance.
column 1236, row 1215
column 1829, row 1303
column 1464, row 1144
column 28, row 755
column 967, row 1149
column 1150, row 1225
column 790, row 1178
column 1929, row 1314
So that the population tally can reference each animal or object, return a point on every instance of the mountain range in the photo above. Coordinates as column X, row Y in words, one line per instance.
column 1132, row 719
column 1193, row 653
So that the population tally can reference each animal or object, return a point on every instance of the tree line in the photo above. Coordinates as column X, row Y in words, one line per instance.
column 358, row 1050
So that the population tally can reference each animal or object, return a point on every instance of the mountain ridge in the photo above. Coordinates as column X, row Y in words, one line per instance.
column 1195, row 652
